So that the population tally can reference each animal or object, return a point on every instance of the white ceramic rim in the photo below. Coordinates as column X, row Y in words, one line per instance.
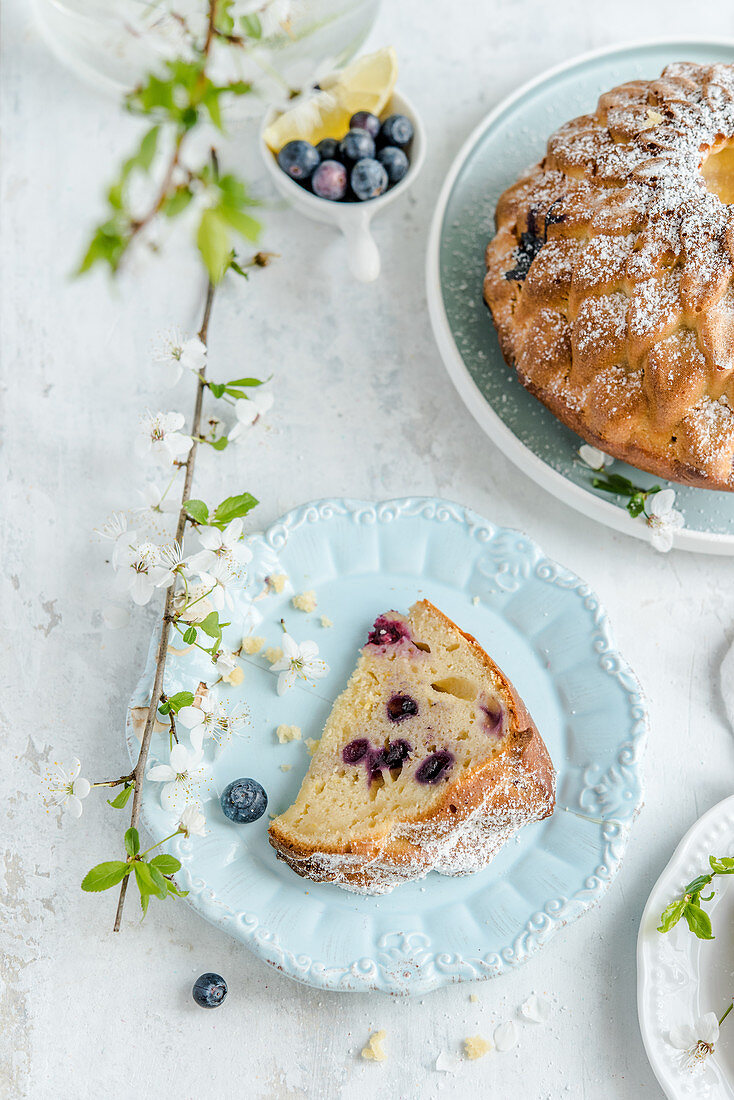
column 659, row 896
column 290, row 189
column 544, row 475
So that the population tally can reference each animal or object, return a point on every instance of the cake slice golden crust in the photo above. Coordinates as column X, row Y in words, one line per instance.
column 611, row 275
column 429, row 761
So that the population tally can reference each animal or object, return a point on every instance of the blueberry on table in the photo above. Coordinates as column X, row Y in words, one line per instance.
column 368, row 179
column 356, row 145
column 330, row 180
column 298, row 159
column 328, row 149
column 394, row 161
column 365, row 120
column 243, row 800
column 396, row 130
column 209, row 990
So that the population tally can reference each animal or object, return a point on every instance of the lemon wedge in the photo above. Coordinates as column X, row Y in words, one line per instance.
column 365, row 85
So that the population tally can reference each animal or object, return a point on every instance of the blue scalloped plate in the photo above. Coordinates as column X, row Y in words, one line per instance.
column 546, row 629
column 510, row 139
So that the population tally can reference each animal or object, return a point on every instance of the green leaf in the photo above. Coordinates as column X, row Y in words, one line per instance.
column 197, row 509
column 159, row 883
column 636, row 505
column 180, row 699
column 189, row 635
column 173, row 889
column 105, row 875
column 244, row 224
column 698, row 921
column 122, row 798
column 218, row 444
column 671, row 915
column 217, row 389
column 132, row 842
column 144, row 901
column 146, row 882
column 233, row 508
column 175, row 203
column 723, row 865
column 167, row 865
column 212, row 240
column 697, row 885
column 251, row 25
column 244, row 382
column 210, row 625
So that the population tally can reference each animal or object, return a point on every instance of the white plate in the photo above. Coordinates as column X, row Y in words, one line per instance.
column 680, row 977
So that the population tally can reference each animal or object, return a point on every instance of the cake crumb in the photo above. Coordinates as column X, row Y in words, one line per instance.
column 476, row 1047
column 285, row 767
column 305, row 601
column 473, row 998
column 273, row 654
column 312, row 744
column 326, row 621
column 277, row 581
column 288, row 733
column 475, row 601
column 373, row 1052
column 253, row 644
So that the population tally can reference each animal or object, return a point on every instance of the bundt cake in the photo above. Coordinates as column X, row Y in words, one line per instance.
column 429, row 761
column 611, row 275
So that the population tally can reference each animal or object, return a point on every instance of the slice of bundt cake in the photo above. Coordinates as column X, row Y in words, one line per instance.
column 429, row 761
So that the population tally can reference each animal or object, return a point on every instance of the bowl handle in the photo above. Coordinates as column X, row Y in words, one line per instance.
column 364, row 259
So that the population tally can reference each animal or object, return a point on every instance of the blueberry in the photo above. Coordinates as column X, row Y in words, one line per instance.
column 434, row 767
column 387, row 631
column 329, row 181
column 401, row 707
column 363, row 120
column 328, row 149
column 396, row 753
column 298, row 159
column 396, row 130
column 209, row 990
column 368, row 179
column 356, row 145
column 394, row 161
column 355, row 750
column 244, row 800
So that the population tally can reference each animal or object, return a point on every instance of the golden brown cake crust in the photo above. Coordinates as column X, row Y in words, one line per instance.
column 515, row 787
column 611, row 275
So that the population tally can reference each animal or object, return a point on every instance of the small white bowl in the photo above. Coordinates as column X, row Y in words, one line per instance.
column 352, row 218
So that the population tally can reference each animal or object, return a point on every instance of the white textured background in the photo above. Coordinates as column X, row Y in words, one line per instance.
column 364, row 408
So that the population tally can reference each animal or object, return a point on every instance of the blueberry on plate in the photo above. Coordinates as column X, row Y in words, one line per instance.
column 298, row 159
column 368, row 179
column 364, row 120
column 209, row 990
column 243, row 800
column 396, row 130
column 394, row 161
column 328, row 149
column 356, row 145
column 330, row 180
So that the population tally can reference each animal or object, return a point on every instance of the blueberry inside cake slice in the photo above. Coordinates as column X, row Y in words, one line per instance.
column 429, row 761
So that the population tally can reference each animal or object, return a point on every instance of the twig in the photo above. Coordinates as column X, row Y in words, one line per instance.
column 138, row 772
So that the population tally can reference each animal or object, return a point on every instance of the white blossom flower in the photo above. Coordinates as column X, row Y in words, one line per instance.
column 161, row 438
column 228, row 667
column 250, row 410
column 210, row 720
column 696, row 1040
column 182, row 778
column 139, row 571
column 594, row 458
column 172, row 562
column 298, row 662
column 192, row 822
column 220, row 544
column 177, row 354
column 68, row 788
column 216, row 578
column 275, row 16
column 663, row 520
column 196, row 607
column 116, row 530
